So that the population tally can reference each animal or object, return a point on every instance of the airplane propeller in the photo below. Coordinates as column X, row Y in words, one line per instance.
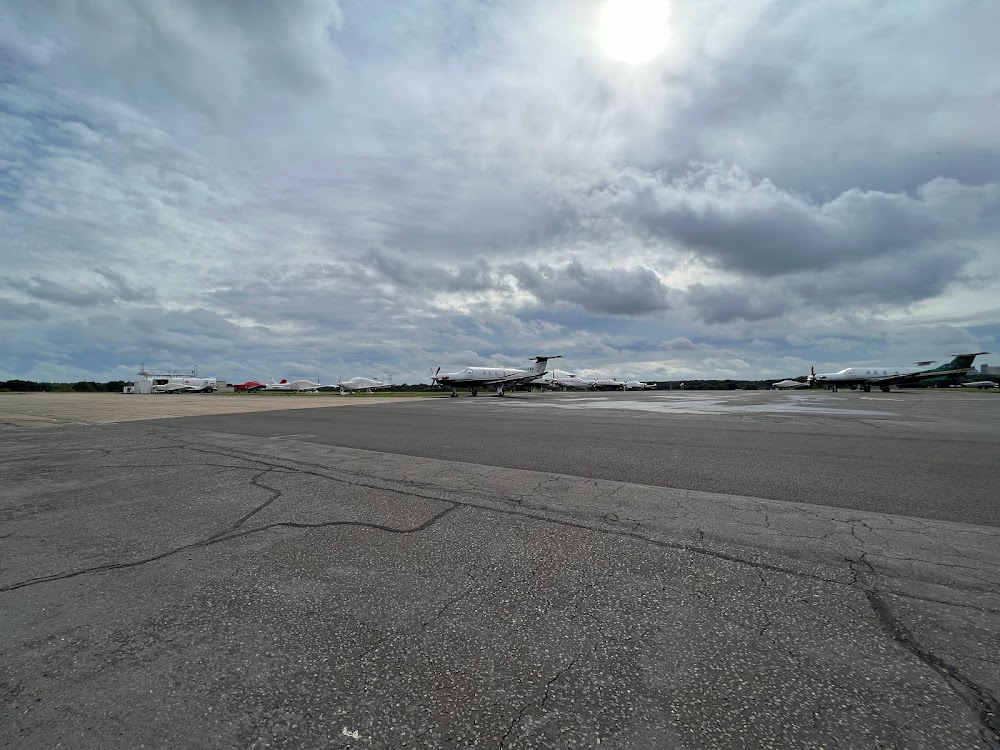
column 811, row 379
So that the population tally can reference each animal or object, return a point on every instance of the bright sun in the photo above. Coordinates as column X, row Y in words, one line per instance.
column 633, row 31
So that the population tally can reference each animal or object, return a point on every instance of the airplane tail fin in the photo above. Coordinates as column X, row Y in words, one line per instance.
column 541, row 362
column 960, row 362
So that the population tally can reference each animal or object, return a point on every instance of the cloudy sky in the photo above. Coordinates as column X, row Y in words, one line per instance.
column 332, row 188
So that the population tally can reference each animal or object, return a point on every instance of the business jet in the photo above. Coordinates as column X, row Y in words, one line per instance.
column 554, row 379
column 979, row 384
column 609, row 384
column 884, row 376
column 784, row 384
column 572, row 381
column 475, row 378
column 361, row 384
column 294, row 386
column 636, row 385
column 251, row 386
column 184, row 385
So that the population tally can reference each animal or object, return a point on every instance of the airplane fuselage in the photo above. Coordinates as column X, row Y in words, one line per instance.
column 980, row 384
column 184, row 385
column 361, row 384
column 295, row 386
column 885, row 376
column 475, row 378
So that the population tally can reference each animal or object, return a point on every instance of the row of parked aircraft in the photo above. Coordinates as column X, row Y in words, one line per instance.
column 857, row 377
column 885, row 376
column 307, row 386
column 503, row 378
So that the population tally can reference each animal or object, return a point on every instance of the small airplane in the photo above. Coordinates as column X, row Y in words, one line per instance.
column 609, row 384
column 184, row 385
column 294, row 386
column 637, row 385
column 361, row 384
column 554, row 379
column 475, row 378
column 883, row 376
column 251, row 386
column 572, row 381
column 784, row 384
column 980, row 384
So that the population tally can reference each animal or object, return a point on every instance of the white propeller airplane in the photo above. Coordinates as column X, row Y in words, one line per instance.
column 361, row 384
column 475, row 378
column 884, row 375
column 294, row 386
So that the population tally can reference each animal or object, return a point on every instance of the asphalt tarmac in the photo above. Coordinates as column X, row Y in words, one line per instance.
column 540, row 571
column 916, row 453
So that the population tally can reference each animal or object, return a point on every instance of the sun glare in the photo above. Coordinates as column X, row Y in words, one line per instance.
column 633, row 31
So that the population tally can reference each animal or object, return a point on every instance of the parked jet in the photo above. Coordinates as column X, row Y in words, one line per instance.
column 360, row 384
column 884, row 376
column 609, row 384
column 554, row 379
column 572, row 381
column 295, row 386
column 636, row 385
column 184, row 385
column 251, row 386
column 979, row 384
column 783, row 384
column 475, row 378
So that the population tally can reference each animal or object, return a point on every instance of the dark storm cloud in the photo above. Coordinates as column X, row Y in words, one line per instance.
column 84, row 293
column 410, row 272
column 721, row 304
column 755, row 227
column 614, row 291
column 10, row 310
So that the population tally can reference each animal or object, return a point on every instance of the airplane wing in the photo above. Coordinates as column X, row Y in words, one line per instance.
column 513, row 379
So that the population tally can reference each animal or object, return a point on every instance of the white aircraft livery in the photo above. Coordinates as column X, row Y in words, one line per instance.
column 295, row 386
column 361, row 384
column 884, row 376
column 475, row 378
column 979, row 384
column 637, row 385
column 783, row 384
column 184, row 385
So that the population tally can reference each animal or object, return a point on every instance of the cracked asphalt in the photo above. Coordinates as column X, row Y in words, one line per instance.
column 478, row 573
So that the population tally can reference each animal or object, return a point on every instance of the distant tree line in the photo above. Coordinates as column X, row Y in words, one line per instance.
column 84, row 386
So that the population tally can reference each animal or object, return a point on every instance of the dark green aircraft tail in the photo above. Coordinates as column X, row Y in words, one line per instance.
column 961, row 362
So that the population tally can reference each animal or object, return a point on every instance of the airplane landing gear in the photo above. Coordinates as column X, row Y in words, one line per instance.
column 868, row 388
column 475, row 391
column 885, row 389
column 454, row 392
column 500, row 391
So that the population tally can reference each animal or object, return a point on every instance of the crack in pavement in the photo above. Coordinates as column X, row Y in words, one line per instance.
column 979, row 699
column 226, row 536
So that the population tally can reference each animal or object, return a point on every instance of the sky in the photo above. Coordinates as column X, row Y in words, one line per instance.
column 330, row 189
